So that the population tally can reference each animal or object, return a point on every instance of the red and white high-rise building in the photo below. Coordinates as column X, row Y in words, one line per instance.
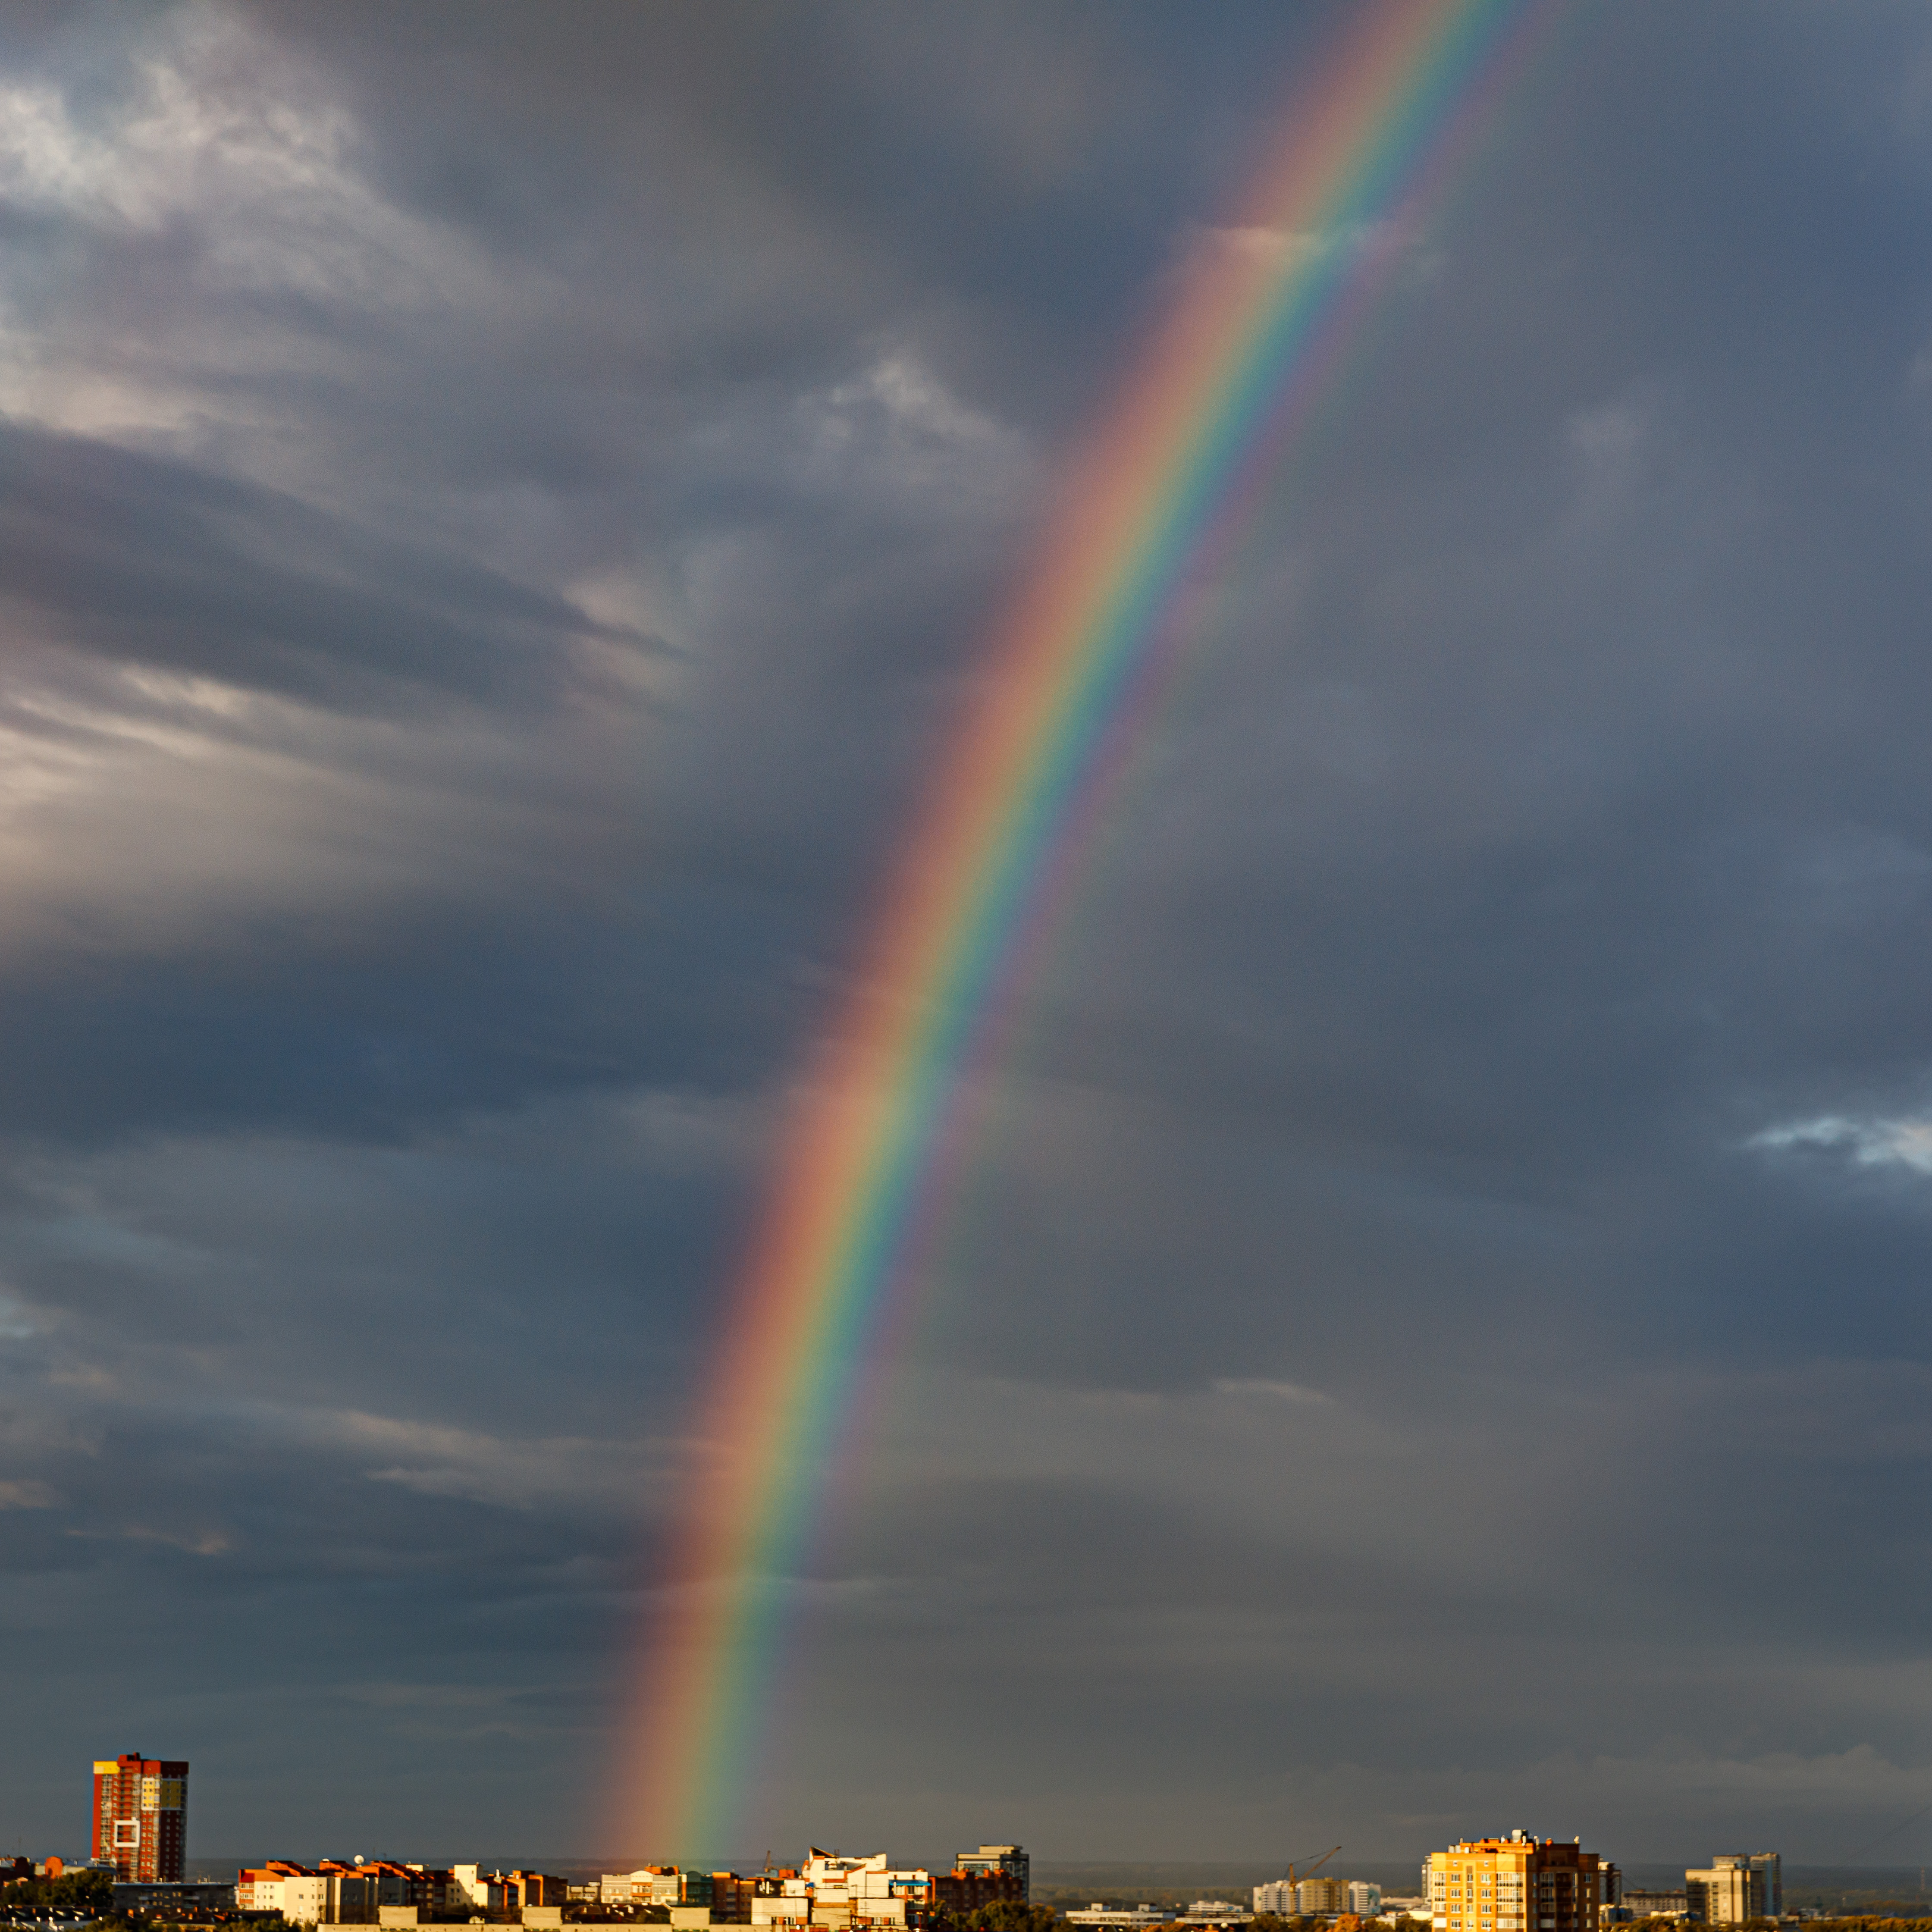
column 140, row 1816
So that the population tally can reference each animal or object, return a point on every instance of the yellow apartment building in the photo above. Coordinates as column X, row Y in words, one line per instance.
column 1518, row 1884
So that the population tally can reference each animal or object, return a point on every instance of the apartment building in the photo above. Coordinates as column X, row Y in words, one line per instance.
column 334, row 1895
column 1009, row 1862
column 731, row 1898
column 832, row 1890
column 1736, row 1886
column 1322, row 1897
column 140, row 1817
column 430, row 1888
column 1518, row 1884
column 655, row 1885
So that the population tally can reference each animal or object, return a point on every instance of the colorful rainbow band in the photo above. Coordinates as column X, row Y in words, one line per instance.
column 1266, row 311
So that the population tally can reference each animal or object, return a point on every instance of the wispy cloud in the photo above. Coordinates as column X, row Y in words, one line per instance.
column 1275, row 1391
column 1899, row 1141
column 476, row 1466
column 195, row 1542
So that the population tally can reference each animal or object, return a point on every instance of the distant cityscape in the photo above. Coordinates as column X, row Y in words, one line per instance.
column 137, row 1871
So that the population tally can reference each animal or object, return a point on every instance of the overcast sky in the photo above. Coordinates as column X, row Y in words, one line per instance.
column 501, row 505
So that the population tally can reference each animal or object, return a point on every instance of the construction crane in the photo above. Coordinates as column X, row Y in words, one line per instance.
column 1309, row 1871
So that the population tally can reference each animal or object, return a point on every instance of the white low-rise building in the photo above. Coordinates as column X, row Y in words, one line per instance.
column 845, row 1894
column 650, row 1885
column 301, row 1901
column 306, row 1897
column 790, row 1905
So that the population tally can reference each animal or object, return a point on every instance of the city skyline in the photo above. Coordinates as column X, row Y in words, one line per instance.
column 1500, row 1882
column 138, row 1812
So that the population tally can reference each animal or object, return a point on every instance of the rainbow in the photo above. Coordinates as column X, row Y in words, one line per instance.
column 1253, row 338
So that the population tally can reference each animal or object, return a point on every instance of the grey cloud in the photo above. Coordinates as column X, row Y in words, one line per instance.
column 152, row 562
column 502, row 507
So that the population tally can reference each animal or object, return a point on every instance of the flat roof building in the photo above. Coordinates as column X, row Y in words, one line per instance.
column 1736, row 1886
column 1518, row 1884
column 1011, row 1861
column 166, row 1896
column 1646, row 1904
column 140, row 1817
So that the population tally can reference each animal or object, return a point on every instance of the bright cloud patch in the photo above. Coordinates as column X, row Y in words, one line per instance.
column 1873, row 1143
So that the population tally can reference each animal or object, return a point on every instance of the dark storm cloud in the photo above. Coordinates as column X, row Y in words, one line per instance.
column 501, row 505
column 154, row 563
